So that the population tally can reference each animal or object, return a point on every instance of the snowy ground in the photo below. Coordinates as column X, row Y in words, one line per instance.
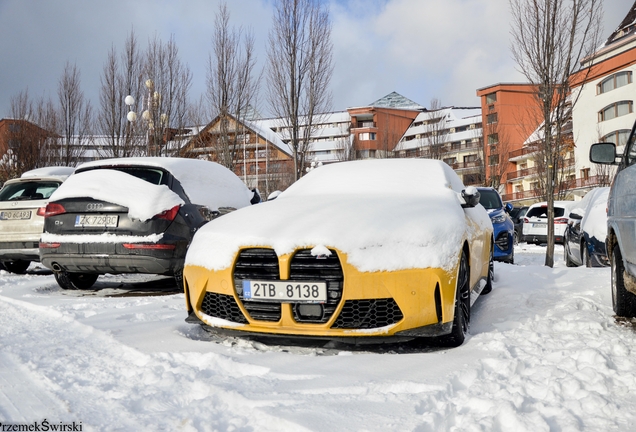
column 545, row 354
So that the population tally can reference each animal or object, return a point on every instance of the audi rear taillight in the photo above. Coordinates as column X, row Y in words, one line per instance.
column 52, row 209
column 47, row 245
column 41, row 211
column 168, row 215
column 155, row 246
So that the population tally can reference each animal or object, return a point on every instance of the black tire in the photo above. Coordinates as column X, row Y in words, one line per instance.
column 585, row 255
column 178, row 278
column 18, row 266
column 491, row 273
column 75, row 281
column 566, row 256
column 461, row 320
column 623, row 301
column 515, row 238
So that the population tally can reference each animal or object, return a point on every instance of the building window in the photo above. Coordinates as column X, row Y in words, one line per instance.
column 619, row 137
column 615, row 110
column 491, row 98
column 493, row 159
column 491, row 118
column 585, row 173
column 366, row 136
column 614, row 81
column 450, row 161
column 493, row 139
column 470, row 158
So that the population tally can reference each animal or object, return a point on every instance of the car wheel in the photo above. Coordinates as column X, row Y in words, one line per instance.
column 461, row 320
column 18, row 266
column 515, row 238
column 585, row 255
column 178, row 278
column 491, row 273
column 566, row 256
column 75, row 281
column 623, row 301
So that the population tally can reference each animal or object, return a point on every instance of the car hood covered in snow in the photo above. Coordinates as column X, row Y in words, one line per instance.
column 385, row 215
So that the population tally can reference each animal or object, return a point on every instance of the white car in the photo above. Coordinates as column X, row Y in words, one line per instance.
column 22, row 203
column 535, row 223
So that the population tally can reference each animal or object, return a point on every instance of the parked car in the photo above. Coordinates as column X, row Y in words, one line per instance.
column 504, row 228
column 22, row 201
column 133, row 215
column 517, row 214
column 621, row 222
column 535, row 223
column 586, row 230
column 393, row 249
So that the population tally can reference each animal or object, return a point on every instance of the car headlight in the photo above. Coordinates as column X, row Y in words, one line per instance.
column 499, row 219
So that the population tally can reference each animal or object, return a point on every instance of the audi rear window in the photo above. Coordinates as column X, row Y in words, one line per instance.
column 26, row 191
column 151, row 175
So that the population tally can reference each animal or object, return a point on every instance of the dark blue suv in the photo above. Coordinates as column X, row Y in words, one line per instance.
column 503, row 227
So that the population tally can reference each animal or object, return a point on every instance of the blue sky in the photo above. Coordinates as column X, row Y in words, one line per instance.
column 423, row 49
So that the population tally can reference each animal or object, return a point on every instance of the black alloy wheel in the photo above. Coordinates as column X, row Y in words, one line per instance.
column 18, row 266
column 491, row 273
column 623, row 301
column 75, row 281
column 461, row 319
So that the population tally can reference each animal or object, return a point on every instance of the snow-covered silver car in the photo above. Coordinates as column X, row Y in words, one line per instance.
column 22, row 202
column 133, row 215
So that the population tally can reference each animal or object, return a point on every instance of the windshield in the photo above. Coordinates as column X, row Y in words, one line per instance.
column 542, row 212
column 490, row 199
column 31, row 190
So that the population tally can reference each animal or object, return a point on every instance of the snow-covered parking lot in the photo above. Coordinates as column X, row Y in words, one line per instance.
column 545, row 354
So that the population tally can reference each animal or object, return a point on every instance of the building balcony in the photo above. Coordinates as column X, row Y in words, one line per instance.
column 521, row 173
column 520, row 153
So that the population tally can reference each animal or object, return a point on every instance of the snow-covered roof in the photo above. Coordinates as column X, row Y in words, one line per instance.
column 396, row 100
column 54, row 171
column 206, row 183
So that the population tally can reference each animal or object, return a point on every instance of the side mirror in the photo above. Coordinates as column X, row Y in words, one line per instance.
column 603, row 153
column 575, row 216
column 273, row 195
column 508, row 207
column 471, row 197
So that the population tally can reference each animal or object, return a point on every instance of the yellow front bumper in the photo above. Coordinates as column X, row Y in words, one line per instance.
column 425, row 297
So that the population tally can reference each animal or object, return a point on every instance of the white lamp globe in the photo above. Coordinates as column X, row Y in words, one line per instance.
column 131, row 116
column 129, row 100
column 145, row 115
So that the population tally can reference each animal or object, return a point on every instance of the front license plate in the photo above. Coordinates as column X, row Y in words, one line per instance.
column 96, row 220
column 285, row 291
column 15, row 215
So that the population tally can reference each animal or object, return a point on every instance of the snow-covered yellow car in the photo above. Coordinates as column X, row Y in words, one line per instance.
column 393, row 249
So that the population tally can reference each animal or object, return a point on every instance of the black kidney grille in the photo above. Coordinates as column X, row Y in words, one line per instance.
column 305, row 266
column 222, row 306
column 257, row 264
column 368, row 314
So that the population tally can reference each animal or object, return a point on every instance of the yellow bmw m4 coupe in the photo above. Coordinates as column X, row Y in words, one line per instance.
column 372, row 250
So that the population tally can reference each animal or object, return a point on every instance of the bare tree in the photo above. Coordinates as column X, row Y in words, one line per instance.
column 549, row 38
column 121, row 76
column 75, row 117
column 436, row 133
column 497, row 142
column 165, row 103
column 299, row 70
column 232, row 87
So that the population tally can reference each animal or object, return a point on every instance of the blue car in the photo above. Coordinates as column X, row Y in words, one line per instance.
column 504, row 227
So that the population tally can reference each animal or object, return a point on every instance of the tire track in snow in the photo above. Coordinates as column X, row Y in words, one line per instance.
column 106, row 384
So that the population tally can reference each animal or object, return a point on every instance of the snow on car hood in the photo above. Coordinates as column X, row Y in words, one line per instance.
column 389, row 227
column 143, row 199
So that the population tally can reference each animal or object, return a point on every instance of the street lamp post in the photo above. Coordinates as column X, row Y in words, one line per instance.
column 152, row 104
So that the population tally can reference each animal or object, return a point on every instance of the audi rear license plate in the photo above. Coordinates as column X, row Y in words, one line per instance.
column 15, row 215
column 96, row 220
column 285, row 291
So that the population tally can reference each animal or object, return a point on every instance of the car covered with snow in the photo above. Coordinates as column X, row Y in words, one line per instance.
column 621, row 222
column 503, row 226
column 584, row 238
column 535, row 222
column 22, row 202
column 133, row 215
column 393, row 248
